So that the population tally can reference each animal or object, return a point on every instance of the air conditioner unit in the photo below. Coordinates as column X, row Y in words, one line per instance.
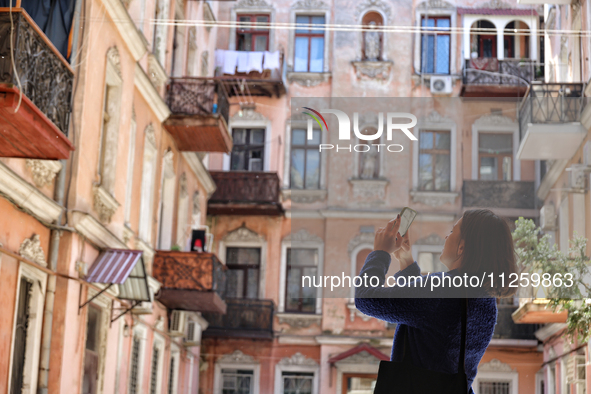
column 575, row 369
column 441, row 84
column 193, row 335
column 548, row 217
column 177, row 324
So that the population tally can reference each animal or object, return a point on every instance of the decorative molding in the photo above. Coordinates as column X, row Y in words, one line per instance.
column 302, row 235
column 95, row 231
column 361, row 358
column 104, row 204
column 369, row 189
column 128, row 234
column 31, row 249
column 298, row 359
column 183, row 191
column 150, row 94
column 303, row 196
column 496, row 5
column 360, row 239
column 126, row 28
column 252, row 4
column 369, row 5
column 208, row 16
column 204, row 63
column 436, row 117
column 309, row 5
column 237, row 358
column 150, row 134
column 27, row 196
column 113, row 57
column 353, row 311
column 434, row 4
column 43, row 171
column 434, row 199
column 243, row 234
column 192, row 38
column 308, row 79
column 202, row 174
column 248, row 113
column 432, row 239
column 168, row 165
column 378, row 70
column 495, row 365
column 296, row 320
column 494, row 120
column 149, row 253
column 156, row 72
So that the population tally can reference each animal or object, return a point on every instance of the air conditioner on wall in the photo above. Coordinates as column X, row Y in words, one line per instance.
column 177, row 324
column 441, row 84
column 193, row 334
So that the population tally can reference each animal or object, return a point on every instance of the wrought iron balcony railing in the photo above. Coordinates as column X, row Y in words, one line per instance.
column 198, row 96
column 244, row 318
column 485, row 71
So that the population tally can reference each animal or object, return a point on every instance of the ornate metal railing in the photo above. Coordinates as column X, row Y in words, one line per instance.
column 499, row 72
column 551, row 103
column 507, row 329
column 198, row 96
column 499, row 194
column 245, row 186
column 45, row 77
column 244, row 318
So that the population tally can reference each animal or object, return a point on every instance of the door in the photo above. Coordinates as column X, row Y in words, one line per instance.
column 487, row 46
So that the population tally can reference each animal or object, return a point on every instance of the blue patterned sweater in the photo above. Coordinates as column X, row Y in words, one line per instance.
column 433, row 324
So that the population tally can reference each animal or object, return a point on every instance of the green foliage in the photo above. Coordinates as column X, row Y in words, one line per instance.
column 535, row 254
column 176, row 248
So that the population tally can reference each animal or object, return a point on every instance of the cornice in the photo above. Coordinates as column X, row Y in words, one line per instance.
column 150, row 94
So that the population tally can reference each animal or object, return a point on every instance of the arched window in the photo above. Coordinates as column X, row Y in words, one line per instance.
column 516, row 40
column 372, row 43
column 483, row 40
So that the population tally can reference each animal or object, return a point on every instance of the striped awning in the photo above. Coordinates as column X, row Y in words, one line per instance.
column 124, row 268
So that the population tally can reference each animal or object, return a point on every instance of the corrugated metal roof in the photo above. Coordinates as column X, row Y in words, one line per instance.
column 124, row 268
column 498, row 11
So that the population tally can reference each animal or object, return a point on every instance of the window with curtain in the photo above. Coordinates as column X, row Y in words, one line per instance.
column 297, row 382
column 309, row 44
column 243, row 272
column 249, row 36
column 434, row 160
column 305, row 160
column 300, row 262
column 495, row 156
column 435, row 44
column 237, row 381
column 248, row 153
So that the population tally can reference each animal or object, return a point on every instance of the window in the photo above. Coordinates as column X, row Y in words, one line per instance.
column 429, row 262
column 134, row 369
column 243, row 272
column 91, row 354
column 494, row 387
column 297, row 382
column 435, row 44
column 154, row 370
column 171, row 376
column 237, row 381
column 147, row 188
column 130, row 167
column 309, row 45
column 250, row 37
column 300, row 262
column 20, row 336
column 434, row 160
column 495, row 152
column 173, row 371
column 359, row 383
column 249, row 150
column 305, row 160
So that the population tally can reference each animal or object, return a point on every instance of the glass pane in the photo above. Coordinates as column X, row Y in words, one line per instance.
column 317, row 54
column 427, row 50
column 426, row 140
column 442, row 60
column 244, row 18
column 312, row 169
column 428, row 22
column 425, row 172
column 255, row 164
column 442, row 141
column 260, row 43
column 257, row 136
column 302, row 19
column 315, row 138
column 243, row 256
column 294, row 282
column 297, row 168
column 244, row 42
column 234, row 283
column 495, row 143
column 507, row 168
column 301, row 54
column 238, row 160
column 443, row 23
column 262, row 19
column 239, row 136
column 298, row 137
column 425, row 261
column 488, row 168
column 442, row 172
column 318, row 20
column 252, row 288
column 360, row 385
column 302, row 257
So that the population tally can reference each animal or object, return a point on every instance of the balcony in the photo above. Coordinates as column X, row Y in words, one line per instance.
column 244, row 318
column 491, row 77
column 265, row 82
column 199, row 120
column 499, row 194
column 191, row 281
column 35, row 92
column 507, row 329
column 550, row 121
column 535, row 310
column 245, row 193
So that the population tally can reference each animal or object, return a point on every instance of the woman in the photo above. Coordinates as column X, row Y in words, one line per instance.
column 479, row 243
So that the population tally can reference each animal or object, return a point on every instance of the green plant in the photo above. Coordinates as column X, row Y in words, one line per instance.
column 535, row 254
column 176, row 248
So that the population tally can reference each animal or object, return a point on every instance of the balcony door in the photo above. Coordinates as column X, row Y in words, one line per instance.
column 487, row 46
column 91, row 353
column 248, row 153
column 243, row 272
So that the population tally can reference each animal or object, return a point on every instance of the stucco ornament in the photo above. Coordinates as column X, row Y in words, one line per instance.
column 156, row 73
column 299, row 321
column 360, row 358
column 303, row 235
column 150, row 135
column 248, row 113
column 435, row 4
column 298, row 359
column 433, row 199
column 436, row 117
column 305, row 196
column 243, row 234
column 307, row 79
column 353, row 311
column 378, row 70
column 31, row 250
column 237, row 358
column 104, row 204
column 309, row 5
column 432, row 239
column 369, row 5
column 495, row 365
column 373, row 190
column 43, row 171
column 496, row 4
column 113, row 57
column 252, row 4
column 494, row 120
column 360, row 239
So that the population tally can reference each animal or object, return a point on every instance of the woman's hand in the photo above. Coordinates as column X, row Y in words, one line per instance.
column 388, row 238
column 404, row 254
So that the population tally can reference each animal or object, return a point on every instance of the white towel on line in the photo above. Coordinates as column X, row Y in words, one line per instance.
column 230, row 60
column 271, row 60
column 219, row 57
column 255, row 61
column 242, row 61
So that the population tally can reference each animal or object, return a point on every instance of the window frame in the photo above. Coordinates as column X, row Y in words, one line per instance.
column 148, row 184
column 309, row 35
column 249, row 147
column 301, row 124
column 306, row 147
column 175, row 354
column 436, row 34
column 498, row 156
column 451, row 13
column 141, row 333
column 218, row 377
column 290, row 57
column 245, row 10
column 512, row 377
column 281, row 367
column 261, row 122
column 433, row 152
column 253, row 31
column 485, row 124
column 245, row 268
column 158, row 342
column 287, row 271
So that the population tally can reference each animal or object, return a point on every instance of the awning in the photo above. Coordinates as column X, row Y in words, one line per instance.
column 124, row 268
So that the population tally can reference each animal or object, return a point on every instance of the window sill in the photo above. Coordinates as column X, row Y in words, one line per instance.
column 299, row 320
column 303, row 196
column 369, row 189
column 308, row 79
column 433, row 199
column 378, row 69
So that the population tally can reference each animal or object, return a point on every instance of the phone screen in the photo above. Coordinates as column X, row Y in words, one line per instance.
column 406, row 217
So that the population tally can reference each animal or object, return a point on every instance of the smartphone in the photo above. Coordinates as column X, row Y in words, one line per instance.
column 406, row 217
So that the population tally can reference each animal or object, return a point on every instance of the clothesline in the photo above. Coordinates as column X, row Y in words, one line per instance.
column 232, row 62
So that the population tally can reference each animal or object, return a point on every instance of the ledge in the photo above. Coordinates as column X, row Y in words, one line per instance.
column 308, row 79
column 433, row 199
column 299, row 320
column 94, row 231
column 369, row 189
column 148, row 91
column 200, row 172
column 303, row 196
column 373, row 70
column 127, row 29
column 104, row 204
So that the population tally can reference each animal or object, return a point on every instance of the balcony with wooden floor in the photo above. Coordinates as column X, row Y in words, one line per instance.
column 506, row 328
column 245, row 193
column 191, row 281
column 200, row 110
column 244, row 318
column 492, row 77
column 551, row 118
column 35, row 91
column 537, row 311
